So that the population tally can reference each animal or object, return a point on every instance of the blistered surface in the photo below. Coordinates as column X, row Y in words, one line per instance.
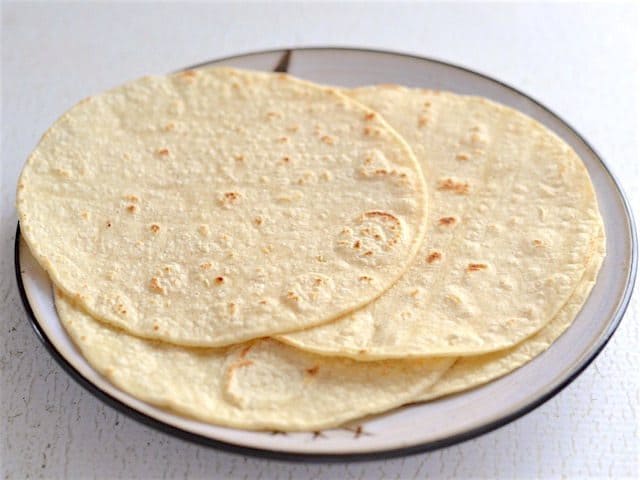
column 218, row 205
column 511, row 218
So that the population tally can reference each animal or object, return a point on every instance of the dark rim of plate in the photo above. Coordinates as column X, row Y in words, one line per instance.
column 376, row 455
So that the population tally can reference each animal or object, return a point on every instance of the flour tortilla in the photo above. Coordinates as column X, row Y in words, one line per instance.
column 262, row 384
column 512, row 213
column 470, row 372
column 218, row 205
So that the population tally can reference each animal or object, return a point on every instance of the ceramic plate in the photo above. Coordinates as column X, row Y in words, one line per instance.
column 414, row 428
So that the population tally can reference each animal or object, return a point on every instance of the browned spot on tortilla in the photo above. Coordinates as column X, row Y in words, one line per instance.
column 369, row 116
column 447, row 221
column 219, row 280
column 386, row 215
column 155, row 286
column 433, row 256
column 228, row 198
column 329, row 140
column 155, row 228
column 462, row 156
column 163, row 152
column 169, row 126
column 232, row 196
column 474, row 267
column 538, row 243
column 313, row 370
column 292, row 296
column 188, row 74
column 450, row 184
column 131, row 208
column 394, row 227
column 206, row 266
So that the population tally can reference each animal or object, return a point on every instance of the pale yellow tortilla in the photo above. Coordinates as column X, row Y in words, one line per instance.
column 262, row 384
column 469, row 372
column 215, row 206
column 512, row 213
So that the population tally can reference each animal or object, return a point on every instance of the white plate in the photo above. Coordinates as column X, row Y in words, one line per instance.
column 413, row 428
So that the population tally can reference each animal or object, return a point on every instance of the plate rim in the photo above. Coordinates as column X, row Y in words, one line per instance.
column 177, row 432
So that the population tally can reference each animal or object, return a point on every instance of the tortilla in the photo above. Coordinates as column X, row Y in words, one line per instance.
column 262, row 384
column 512, row 214
column 216, row 206
column 470, row 372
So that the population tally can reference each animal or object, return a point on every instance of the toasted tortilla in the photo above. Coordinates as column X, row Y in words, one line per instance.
column 215, row 206
column 512, row 214
column 470, row 372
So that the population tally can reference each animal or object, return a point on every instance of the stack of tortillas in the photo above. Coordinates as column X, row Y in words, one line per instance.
column 257, row 251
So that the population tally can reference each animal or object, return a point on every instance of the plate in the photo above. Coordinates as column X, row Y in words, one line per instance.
column 420, row 427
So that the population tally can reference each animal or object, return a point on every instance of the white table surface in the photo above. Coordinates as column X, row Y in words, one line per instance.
column 581, row 60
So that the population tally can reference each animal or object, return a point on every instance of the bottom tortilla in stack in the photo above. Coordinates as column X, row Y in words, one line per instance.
column 262, row 384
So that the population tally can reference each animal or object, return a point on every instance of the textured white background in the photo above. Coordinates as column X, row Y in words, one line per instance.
column 581, row 60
